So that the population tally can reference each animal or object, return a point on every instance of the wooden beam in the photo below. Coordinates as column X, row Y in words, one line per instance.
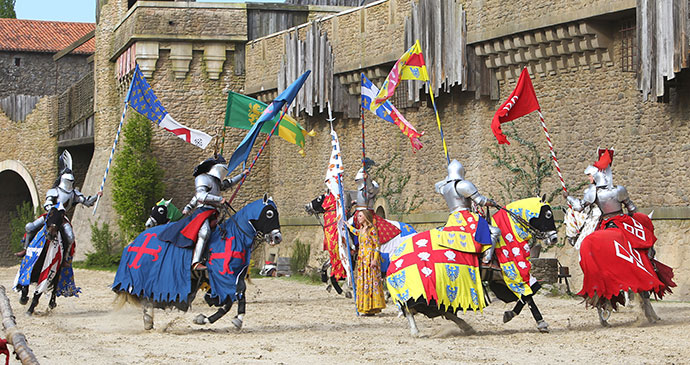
column 85, row 38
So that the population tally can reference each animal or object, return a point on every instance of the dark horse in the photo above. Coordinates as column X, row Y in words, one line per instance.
column 157, row 274
column 48, row 264
column 447, row 275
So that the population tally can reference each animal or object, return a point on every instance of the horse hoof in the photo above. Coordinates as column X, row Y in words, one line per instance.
column 348, row 295
column 23, row 300
column 237, row 323
column 200, row 319
column 508, row 315
column 29, row 313
column 542, row 326
column 52, row 305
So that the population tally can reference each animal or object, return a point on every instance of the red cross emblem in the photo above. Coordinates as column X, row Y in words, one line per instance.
column 227, row 255
column 141, row 250
column 426, row 258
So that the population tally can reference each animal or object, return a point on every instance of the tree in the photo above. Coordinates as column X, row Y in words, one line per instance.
column 7, row 9
column 137, row 177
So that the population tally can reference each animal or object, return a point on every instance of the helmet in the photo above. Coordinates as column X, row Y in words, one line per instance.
column 456, row 171
column 601, row 170
column 67, row 182
column 219, row 171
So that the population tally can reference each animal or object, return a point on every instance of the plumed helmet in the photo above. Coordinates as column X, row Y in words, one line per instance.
column 456, row 171
column 67, row 181
column 601, row 170
column 219, row 170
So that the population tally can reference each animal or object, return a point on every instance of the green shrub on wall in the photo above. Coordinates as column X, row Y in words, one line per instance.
column 137, row 177
column 107, row 247
column 300, row 257
column 23, row 214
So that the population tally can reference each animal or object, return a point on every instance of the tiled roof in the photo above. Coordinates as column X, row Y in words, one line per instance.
column 43, row 36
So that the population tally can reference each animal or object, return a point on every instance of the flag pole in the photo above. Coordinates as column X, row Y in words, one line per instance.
column 555, row 162
column 438, row 120
column 364, row 155
column 112, row 151
column 222, row 143
column 263, row 145
column 344, row 217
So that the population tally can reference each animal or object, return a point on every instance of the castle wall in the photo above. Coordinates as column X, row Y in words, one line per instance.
column 37, row 73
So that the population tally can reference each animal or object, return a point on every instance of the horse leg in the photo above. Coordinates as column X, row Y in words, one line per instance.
column 53, row 297
column 241, row 308
column 147, row 307
column 25, row 295
column 336, row 286
column 34, row 303
column 542, row 326
column 414, row 331
column 464, row 326
column 604, row 315
column 647, row 308
column 508, row 315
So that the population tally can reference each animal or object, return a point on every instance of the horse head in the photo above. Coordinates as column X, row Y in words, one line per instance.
column 159, row 215
column 54, row 220
column 538, row 214
column 266, row 221
column 316, row 205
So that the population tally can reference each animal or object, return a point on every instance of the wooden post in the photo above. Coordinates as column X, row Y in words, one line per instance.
column 14, row 337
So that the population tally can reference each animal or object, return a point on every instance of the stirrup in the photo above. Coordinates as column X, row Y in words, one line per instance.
column 198, row 266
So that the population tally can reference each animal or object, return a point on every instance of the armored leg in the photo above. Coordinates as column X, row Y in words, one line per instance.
column 32, row 228
column 67, row 238
column 495, row 236
column 201, row 245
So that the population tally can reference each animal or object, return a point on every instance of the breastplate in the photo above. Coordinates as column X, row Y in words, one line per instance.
column 453, row 199
column 366, row 201
column 607, row 200
column 65, row 199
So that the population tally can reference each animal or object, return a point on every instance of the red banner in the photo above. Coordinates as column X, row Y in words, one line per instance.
column 521, row 101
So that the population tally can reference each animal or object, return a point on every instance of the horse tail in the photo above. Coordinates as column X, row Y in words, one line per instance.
column 123, row 298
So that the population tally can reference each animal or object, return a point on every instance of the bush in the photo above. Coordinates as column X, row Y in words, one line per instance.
column 107, row 248
column 24, row 213
column 300, row 257
column 137, row 184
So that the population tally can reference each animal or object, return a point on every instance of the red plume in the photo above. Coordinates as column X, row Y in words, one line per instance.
column 605, row 158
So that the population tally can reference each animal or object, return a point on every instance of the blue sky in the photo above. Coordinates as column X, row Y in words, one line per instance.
column 72, row 10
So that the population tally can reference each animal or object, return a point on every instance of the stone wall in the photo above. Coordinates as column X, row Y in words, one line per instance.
column 37, row 73
column 35, row 150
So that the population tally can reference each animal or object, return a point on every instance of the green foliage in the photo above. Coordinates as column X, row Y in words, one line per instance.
column 392, row 181
column 107, row 248
column 23, row 214
column 527, row 168
column 300, row 257
column 7, row 9
column 137, row 184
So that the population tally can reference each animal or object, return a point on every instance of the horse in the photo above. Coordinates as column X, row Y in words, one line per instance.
column 47, row 264
column 624, row 245
column 325, row 204
column 438, row 272
column 157, row 274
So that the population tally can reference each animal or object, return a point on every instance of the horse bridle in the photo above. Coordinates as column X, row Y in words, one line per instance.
column 525, row 224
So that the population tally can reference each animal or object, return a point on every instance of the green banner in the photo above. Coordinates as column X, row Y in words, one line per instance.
column 243, row 111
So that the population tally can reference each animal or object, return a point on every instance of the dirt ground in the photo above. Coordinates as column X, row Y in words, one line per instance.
column 295, row 323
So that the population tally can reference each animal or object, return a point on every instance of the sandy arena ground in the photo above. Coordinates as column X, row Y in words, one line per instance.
column 294, row 323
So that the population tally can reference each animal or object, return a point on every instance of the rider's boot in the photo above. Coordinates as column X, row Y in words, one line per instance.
column 200, row 247
column 508, row 315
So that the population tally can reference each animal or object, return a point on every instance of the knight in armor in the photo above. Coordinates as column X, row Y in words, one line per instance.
column 62, row 196
column 608, row 197
column 460, row 193
column 209, row 180
column 367, row 188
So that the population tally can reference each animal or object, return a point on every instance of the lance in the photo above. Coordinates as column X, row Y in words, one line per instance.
column 112, row 151
column 263, row 145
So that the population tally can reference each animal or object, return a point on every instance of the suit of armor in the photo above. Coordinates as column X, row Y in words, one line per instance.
column 608, row 197
column 459, row 195
column 367, row 189
column 63, row 196
column 208, row 187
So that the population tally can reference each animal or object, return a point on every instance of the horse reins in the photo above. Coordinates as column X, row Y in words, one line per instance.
column 532, row 230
